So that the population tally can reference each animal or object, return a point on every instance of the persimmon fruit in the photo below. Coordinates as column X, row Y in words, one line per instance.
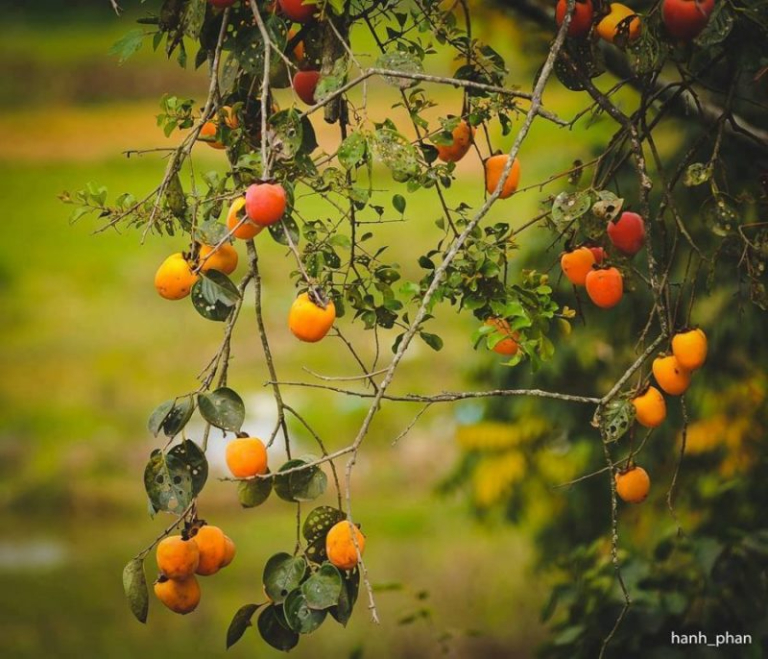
column 581, row 20
column 608, row 27
column 507, row 346
column 650, row 408
column 212, row 545
column 246, row 457
column 211, row 127
column 247, row 229
column 340, row 545
column 229, row 551
column 671, row 376
column 463, row 136
column 685, row 19
column 224, row 259
column 633, row 485
column 297, row 11
column 305, row 84
column 177, row 558
column 179, row 595
column 599, row 254
column 265, row 203
column 690, row 349
column 175, row 278
column 494, row 168
column 576, row 265
column 627, row 233
column 308, row 321
column 605, row 287
column 208, row 131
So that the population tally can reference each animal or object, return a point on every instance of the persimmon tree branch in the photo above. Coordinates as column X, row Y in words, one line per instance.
column 423, row 77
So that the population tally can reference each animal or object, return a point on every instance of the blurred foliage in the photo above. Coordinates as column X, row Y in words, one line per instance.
column 708, row 571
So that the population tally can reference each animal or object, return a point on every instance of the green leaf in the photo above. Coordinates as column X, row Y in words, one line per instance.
column 342, row 612
column 194, row 17
column 396, row 152
column 175, row 198
column 289, row 132
column 304, row 485
column 722, row 215
column 168, row 482
column 128, row 46
column 398, row 201
column 315, row 529
column 223, row 409
column 332, row 81
column 240, row 622
column 254, row 492
column 214, row 295
column 320, row 521
column 698, row 173
column 171, row 416
column 195, row 462
column 274, row 632
column 229, row 72
column 211, row 232
column 718, row 27
column 323, row 589
column 402, row 62
column 607, row 207
column 301, row 618
column 353, row 150
column 282, row 574
column 647, row 53
column 277, row 231
column 617, row 419
column 135, row 587
column 569, row 206
column 432, row 340
column 569, row 635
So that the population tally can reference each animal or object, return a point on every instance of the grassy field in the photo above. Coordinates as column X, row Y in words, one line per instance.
column 88, row 349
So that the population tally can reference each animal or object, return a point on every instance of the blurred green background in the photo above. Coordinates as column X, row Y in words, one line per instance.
column 89, row 349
